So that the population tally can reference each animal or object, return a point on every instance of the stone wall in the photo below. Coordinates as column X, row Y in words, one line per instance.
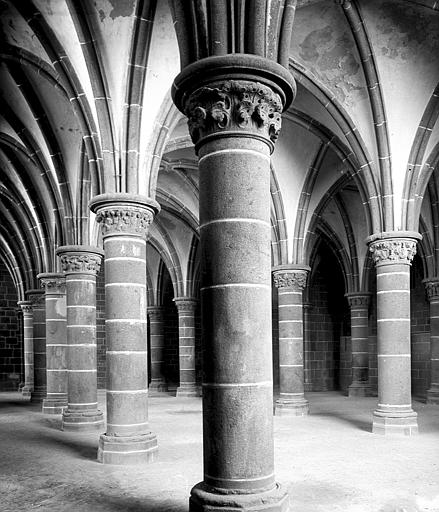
column 10, row 342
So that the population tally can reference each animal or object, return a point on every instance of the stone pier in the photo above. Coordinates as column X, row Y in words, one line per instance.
column 393, row 253
column 56, row 342
column 36, row 297
column 157, row 344
column 186, row 346
column 125, row 220
column 432, row 286
column 28, row 347
column 359, row 306
column 80, row 265
column 290, row 280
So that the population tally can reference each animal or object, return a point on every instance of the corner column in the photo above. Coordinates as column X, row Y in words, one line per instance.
column 157, row 340
column 359, row 306
column 56, row 342
column 28, row 347
column 290, row 281
column 393, row 253
column 186, row 346
column 80, row 265
column 36, row 297
column 125, row 220
column 234, row 120
column 432, row 286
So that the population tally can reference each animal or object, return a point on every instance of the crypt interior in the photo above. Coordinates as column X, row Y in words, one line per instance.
column 219, row 255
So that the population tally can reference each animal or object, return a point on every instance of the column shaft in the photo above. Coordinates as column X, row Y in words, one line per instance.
column 290, row 282
column 39, row 344
column 432, row 286
column 28, row 347
column 124, row 221
column 394, row 413
column 359, row 303
column 157, row 349
column 80, row 265
column 186, row 346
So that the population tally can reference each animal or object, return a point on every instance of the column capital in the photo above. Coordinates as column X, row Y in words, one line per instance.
column 124, row 214
column 432, row 288
column 36, row 297
column 53, row 282
column 290, row 276
column 155, row 311
column 398, row 247
column 26, row 306
column 187, row 304
column 80, row 259
column 358, row 299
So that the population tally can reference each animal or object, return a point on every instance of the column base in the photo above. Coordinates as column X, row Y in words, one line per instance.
column 205, row 499
column 187, row 391
column 288, row 407
column 358, row 389
column 123, row 450
column 38, row 395
column 433, row 396
column 157, row 388
column 394, row 423
column 26, row 391
column 54, row 405
column 82, row 421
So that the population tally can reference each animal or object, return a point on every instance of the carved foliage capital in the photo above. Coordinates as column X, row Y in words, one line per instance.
column 234, row 105
column 55, row 285
column 393, row 250
column 360, row 300
column 80, row 263
column 432, row 288
column 124, row 219
column 156, row 312
column 26, row 306
column 186, row 305
column 290, row 279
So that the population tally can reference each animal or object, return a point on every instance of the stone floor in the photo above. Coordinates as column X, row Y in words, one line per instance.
column 329, row 461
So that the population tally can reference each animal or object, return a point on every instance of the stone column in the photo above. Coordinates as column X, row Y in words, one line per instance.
column 290, row 280
column 157, row 346
column 307, row 379
column 432, row 286
column 392, row 253
column 80, row 265
column 36, row 297
column 56, row 342
column 234, row 106
column 359, row 304
column 125, row 220
column 186, row 346
column 28, row 347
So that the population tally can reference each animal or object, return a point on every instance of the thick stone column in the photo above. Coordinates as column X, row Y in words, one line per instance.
column 290, row 280
column 392, row 253
column 234, row 106
column 56, row 342
column 36, row 297
column 186, row 345
column 432, row 286
column 359, row 304
column 80, row 265
column 157, row 348
column 28, row 347
column 125, row 221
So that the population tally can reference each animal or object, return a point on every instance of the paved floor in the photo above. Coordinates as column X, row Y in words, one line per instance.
column 329, row 461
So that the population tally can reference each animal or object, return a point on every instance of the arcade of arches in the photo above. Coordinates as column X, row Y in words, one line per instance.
column 228, row 199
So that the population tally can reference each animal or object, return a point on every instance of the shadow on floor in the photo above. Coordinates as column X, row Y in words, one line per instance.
column 360, row 424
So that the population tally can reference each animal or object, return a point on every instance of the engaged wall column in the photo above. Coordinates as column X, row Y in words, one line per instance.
column 290, row 280
column 28, row 342
column 393, row 253
column 359, row 305
column 186, row 345
column 56, row 342
column 125, row 220
column 37, row 299
column 80, row 265
column 157, row 344
column 432, row 286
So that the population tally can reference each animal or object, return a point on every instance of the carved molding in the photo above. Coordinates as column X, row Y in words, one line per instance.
column 54, row 285
column 432, row 288
column 124, row 219
column 290, row 279
column 358, row 300
column 234, row 105
column 81, row 263
column 393, row 250
column 185, row 305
